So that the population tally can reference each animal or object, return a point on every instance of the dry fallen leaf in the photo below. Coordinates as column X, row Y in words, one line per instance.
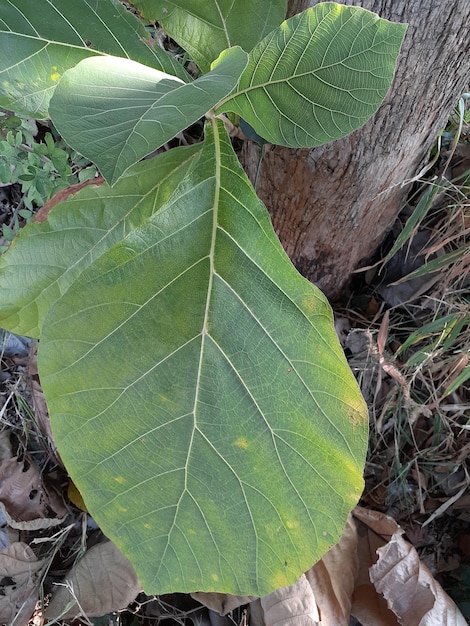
column 396, row 574
column 372, row 573
column 24, row 495
column 411, row 591
column 222, row 603
column 41, row 413
column 102, row 582
column 19, row 581
column 333, row 579
column 373, row 530
column 284, row 607
column 291, row 606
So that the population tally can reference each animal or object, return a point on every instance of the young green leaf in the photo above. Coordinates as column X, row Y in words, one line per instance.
column 47, row 257
column 115, row 111
column 319, row 76
column 199, row 396
column 206, row 27
column 41, row 39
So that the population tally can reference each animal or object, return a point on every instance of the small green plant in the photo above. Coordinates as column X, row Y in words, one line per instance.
column 198, row 394
column 41, row 168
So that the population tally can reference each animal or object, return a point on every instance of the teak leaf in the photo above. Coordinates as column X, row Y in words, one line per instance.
column 41, row 39
column 115, row 111
column 199, row 396
column 319, row 76
column 46, row 258
column 206, row 27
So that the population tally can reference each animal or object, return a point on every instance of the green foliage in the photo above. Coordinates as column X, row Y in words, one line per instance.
column 316, row 90
column 77, row 232
column 43, row 39
column 215, row 24
column 41, row 168
column 198, row 394
column 141, row 108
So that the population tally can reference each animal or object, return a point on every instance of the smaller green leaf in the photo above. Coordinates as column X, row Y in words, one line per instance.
column 115, row 111
column 319, row 76
column 204, row 28
column 8, row 233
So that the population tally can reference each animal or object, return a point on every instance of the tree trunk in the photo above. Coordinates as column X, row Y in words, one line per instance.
column 332, row 205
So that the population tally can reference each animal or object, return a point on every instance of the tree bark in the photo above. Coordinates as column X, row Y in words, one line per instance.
column 332, row 205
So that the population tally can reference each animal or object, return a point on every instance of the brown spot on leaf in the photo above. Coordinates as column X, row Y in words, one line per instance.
column 360, row 416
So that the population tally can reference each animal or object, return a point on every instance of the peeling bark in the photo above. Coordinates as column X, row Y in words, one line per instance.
column 332, row 206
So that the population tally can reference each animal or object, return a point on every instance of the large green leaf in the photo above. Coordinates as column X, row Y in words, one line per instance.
column 199, row 396
column 206, row 27
column 319, row 76
column 46, row 258
column 41, row 39
column 115, row 111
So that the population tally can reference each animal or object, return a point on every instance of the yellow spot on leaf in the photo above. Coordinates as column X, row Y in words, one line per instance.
column 122, row 509
column 358, row 414
column 148, row 526
column 309, row 304
column 214, row 577
column 55, row 76
column 280, row 580
column 292, row 524
column 119, row 479
column 242, row 443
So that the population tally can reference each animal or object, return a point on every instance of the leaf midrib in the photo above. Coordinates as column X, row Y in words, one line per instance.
column 204, row 337
column 215, row 216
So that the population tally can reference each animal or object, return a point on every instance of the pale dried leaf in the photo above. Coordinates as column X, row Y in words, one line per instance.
column 40, row 523
column 256, row 613
column 341, row 580
column 333, row 578
column 373, row 529
column 380, row 524
column 19, row 582
column 342, row 586
column 103, row 581
column 41, row 413
column 223, row 603
column 410, row 589
column 291, row 606
column 23, row 493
